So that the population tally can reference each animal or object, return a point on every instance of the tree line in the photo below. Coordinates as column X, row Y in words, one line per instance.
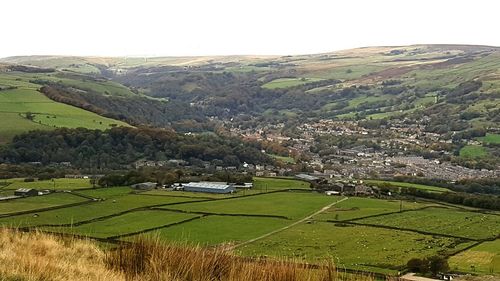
column 119, row 147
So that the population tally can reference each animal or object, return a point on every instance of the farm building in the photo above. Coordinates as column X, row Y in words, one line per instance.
column 144, row 185
column 307, row 177
column 247, row 185
column 209, row 187
column 25, row 192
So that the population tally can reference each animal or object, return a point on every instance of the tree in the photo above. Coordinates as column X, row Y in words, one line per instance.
column 438, row 264
column 30, row 116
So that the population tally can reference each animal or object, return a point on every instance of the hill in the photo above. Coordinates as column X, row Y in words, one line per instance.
column 24, row 108
column 415, row 86
column 372, row 82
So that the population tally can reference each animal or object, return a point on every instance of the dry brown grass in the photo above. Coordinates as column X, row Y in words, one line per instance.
column 39, row 257
column 153, row 260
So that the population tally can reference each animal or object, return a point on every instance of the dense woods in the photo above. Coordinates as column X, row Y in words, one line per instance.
column 119, row 147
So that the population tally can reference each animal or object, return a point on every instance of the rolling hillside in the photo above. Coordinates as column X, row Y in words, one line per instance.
column 24, row 108
column 461, row 83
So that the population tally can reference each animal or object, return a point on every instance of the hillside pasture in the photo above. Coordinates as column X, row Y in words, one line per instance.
column 491, row 138
column 409, row 185
column 261, row 183
column 292, row 205
column 55, row 184
column 354, row 247
column 443, row 221
column 484, row 258
column 213, row 230
column 124, row 224
column 473, row 151
column 37, row 202
column 45, row 113
column 289, row 82
column 358, row 207
column 110, row 207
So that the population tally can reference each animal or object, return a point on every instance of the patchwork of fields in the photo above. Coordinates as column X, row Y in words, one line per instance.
column 367, row 234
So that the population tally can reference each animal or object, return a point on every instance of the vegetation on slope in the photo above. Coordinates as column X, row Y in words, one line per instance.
column 119, row 147
column 37, row 256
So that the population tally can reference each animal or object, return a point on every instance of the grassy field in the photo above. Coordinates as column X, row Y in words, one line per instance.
column 292, row 205
column 484, row 258
column 108, row 207
column 127, row 223
column 289, row 82
column 473, row 151
column 222, row 219
column 37, row 202
column 279, row 184
column 212, row 230
column 362, row 207
column 443, row 221
column 407, row 185
column 47, row 114
column 285, row 159
column 355, row 247
column 491, row 138
column 57, row 184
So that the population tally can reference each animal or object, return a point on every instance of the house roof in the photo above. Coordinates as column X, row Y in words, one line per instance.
column 306, row 177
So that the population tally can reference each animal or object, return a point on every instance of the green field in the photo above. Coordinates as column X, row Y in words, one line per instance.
column 357, row 233
column 484, row 258
column 57, row 184
column 363, row 207
column 47, row 114
column 38, row 202
column 355, row 247
column 407, row 185
column 279, row 184
column 90, row 211
column 473, row 151
column 292, row 205
column 212, row 230
column 443, row 221
column 289, row 82
column 123, row 224
column 285, row 159
column 491, row 138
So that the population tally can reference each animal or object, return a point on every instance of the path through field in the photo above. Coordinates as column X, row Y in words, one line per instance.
column 288, row 226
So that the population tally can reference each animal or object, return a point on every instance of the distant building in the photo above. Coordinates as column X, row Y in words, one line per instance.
column 209, row 187
column 306, row 177
column 25, row 192
column 247, row 185
column 144, row 185
column 332, row 192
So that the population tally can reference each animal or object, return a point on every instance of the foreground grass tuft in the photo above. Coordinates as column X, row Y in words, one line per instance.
column 37, row 256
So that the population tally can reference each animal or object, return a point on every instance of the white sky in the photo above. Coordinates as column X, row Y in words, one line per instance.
column 225, row 27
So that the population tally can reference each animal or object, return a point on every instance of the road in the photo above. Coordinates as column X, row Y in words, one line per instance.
column 288, row 226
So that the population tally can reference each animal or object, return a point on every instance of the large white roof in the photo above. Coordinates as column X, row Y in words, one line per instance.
column 205, row 184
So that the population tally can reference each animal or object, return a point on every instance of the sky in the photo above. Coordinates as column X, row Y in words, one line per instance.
column 237, row 27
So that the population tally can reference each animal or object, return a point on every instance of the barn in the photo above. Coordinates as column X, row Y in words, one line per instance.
column 209, row 187
column 25, row 192
column 144, row 185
